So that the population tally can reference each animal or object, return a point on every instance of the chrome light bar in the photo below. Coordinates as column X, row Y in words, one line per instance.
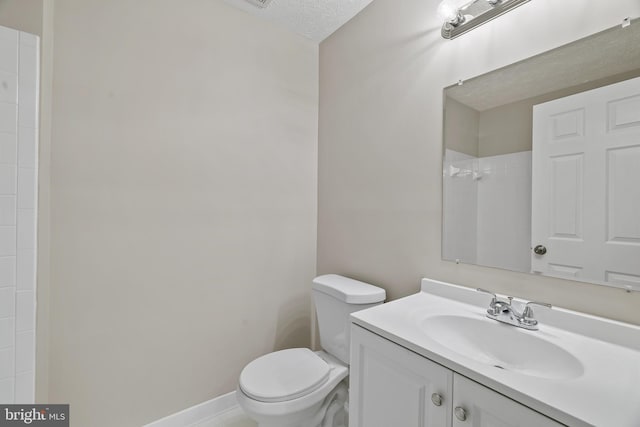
column 476, row 13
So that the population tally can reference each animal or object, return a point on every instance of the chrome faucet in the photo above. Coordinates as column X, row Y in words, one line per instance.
column 504, row 311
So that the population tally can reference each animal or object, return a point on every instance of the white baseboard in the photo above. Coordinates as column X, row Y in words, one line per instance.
column 198, row 413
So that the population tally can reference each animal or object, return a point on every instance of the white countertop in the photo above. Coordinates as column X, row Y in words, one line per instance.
column 607, row 394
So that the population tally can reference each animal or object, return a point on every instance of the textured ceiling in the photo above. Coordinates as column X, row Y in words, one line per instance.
column 314, row 19
column 612, row 52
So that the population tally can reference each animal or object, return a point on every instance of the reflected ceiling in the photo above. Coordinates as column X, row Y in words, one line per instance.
column 601, row 55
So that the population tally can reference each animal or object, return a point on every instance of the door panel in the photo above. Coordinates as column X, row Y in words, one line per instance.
column 624, row 113
column 623, row 195
column 566, row 196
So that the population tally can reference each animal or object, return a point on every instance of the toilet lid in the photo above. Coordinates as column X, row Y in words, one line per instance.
column 284, row 375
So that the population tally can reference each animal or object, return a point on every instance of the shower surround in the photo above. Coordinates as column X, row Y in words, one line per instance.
column 19, row 70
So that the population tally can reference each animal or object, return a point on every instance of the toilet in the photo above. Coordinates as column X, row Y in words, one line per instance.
column 301, row 388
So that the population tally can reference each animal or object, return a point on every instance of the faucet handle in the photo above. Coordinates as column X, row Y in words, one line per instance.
column 493, row 309
column 527, row 313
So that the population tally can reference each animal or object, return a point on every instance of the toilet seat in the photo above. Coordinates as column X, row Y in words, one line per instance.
column 284, row 375
column 296, row 408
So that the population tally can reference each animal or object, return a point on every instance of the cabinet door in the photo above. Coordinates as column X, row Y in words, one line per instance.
column 486, row 408
column 391, row 386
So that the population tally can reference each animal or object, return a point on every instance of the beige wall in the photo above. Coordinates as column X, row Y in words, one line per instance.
column 23, row 15
column 461, row 127
column 183, row 208
column 381, row 81
column 506, row 129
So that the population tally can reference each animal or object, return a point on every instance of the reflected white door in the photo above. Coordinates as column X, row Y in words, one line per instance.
column 586, row 186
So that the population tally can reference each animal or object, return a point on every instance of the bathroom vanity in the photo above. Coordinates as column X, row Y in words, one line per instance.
column 434, row 359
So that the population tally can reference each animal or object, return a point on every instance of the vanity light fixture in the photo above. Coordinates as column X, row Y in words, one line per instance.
column 461, row 16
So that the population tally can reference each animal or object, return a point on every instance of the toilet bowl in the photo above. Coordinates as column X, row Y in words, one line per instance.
column 275, row 403
column 299, row 387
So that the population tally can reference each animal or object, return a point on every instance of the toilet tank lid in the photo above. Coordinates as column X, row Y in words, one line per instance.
column 348, row 290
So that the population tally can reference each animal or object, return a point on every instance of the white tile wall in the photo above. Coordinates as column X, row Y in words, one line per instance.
column 504, row 211
column 7, row 389
column 26, row 235
column 9, row 50
column 460, row 198
column 7, row 241
column 8, row 117
column 7, row 302
column 7, row 332
column 8, row 87
column 7, row 272
column 25, row 351
column 27, row 143
column 8, row 148
column 25, row 311
column 8, row 179
column 7, row 356
column 487, row 220
column 24, row 387
column 7, row 210
column 19, row 69
column 26, row 188
column 28, row 81
column 25, row 274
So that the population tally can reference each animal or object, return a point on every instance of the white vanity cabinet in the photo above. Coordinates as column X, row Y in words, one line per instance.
column 484, row 407
column 391, row 386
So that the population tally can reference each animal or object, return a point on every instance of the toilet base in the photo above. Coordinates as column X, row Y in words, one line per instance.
column 328, row 413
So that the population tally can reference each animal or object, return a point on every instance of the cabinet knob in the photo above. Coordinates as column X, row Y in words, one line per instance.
column 460, row 413
column 436, row 399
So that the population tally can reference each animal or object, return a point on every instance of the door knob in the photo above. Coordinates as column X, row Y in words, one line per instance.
column 540, row 250
column 436, row 399
column 460, row 413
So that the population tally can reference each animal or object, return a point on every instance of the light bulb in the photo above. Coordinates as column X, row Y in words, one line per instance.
column 448, row 10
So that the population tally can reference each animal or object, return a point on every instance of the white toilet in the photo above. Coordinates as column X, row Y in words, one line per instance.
column 302, row 388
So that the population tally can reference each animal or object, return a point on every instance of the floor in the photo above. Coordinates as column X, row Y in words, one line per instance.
column 234, row 417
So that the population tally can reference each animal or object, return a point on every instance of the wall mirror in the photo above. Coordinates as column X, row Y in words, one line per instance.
column 541, row 169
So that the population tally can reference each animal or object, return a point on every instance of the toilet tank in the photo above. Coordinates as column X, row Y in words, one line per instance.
column 336, row 297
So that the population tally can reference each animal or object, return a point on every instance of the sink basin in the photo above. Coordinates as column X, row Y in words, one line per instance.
column 503, row 346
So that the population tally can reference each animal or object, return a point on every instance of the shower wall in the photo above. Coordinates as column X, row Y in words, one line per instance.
column 487, row 210
column 18, row 206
